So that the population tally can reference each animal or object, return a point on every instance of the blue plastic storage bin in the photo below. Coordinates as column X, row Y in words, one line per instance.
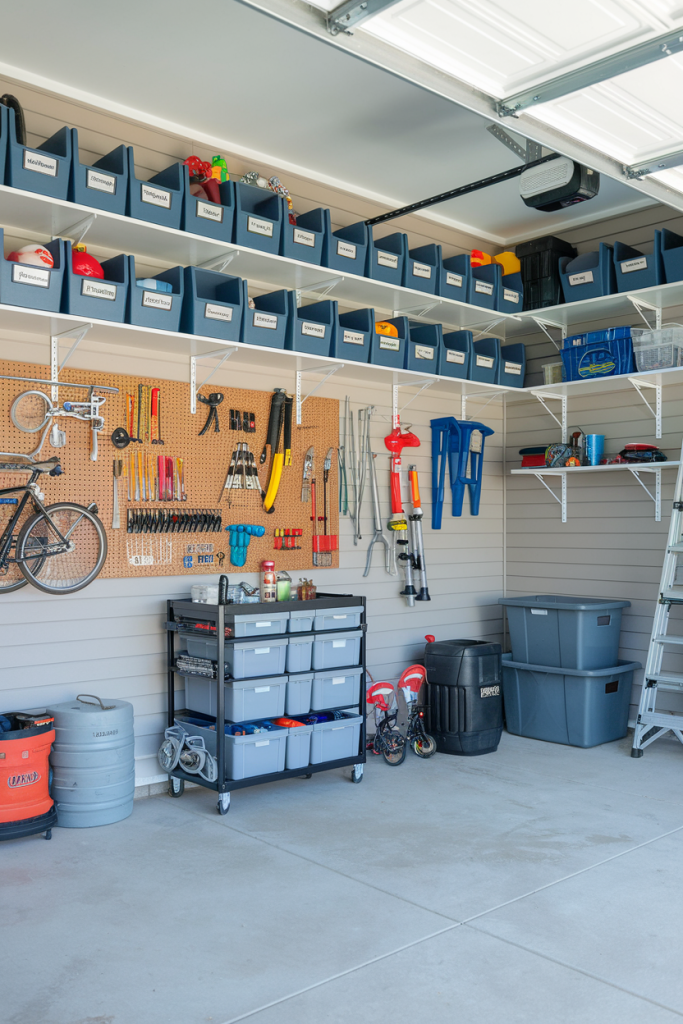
column 33, row 287
column 422, row 267
column 346, row 248
column 485, row 285
column 589, row 275
column 423, row 350
column 93, row 297
column 304, row 240
column 158, row 310
column 386, row 351
column 512, row 365
column 386, row 257
column 454, row 278
column 159, row 200
column 601, row 359
column 259, row 216
column 213, row 304
column 485, row 360
column 353, row 335
column 214, row 220
column 267, row 323
column 103, row 184
column 636, row 270
column 310, row 328
column 672, row 255
column 4, row 132
column 45, row 169
column 456, row 354
column 511, row 294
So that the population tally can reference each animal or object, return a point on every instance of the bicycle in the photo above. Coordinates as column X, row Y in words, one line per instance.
column 58, row 548
column 410, row 683
column 388, row 740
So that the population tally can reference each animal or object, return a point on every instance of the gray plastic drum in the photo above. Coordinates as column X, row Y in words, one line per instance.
column 93, row 761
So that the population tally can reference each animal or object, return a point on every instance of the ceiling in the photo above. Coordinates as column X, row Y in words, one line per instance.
column 262, row 88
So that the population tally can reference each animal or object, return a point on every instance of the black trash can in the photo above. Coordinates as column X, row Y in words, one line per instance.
column 464, row 696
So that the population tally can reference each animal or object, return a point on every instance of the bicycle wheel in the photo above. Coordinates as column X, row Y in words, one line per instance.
column 424, row 746
column 71, row 570
column 31, row 411
column 394, row 748
column 11, row 576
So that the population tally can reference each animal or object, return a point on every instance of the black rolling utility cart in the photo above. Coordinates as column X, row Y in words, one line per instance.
column 288, row 681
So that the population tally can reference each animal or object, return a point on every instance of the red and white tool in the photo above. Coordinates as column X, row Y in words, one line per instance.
column 396, row 441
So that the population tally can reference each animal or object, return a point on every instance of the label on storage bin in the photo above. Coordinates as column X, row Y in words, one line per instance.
column 339, row 643
column 41, row 163
column 346, row 249
column 455, row 357
column 260, row 227
column 489, row 691
column 304, row 237
column 263, row 625
column 454, row 280
column 485, row 361
column 209, row 211
column 261, row 689
column 261, row 650
column 313, row 330
column 422, row 270
column 390, row 344
column 628, row 266
column 538, row 611
column 483, row 287
column 387, row 259
column 213, row 312
column 338, row 616
column 515, row 368
column 510, row 296
column 94, row 289
column 266, row 320
column 99, row 181
column 155, row 196
column 353, row 338
column 336, row 680
column 585, row 278
column 21, row 274
column 157, row 300
column 262, row 743
column 423, row 352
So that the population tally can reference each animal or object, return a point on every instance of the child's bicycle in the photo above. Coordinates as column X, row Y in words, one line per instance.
column 388, row 740
column 411, row 683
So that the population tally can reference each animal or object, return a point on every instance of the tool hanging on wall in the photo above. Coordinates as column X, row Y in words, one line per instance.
column 174, row 520
column 417, row 540
column 156, row 416
column 323, row 544
column 213, row 401
column 116, row 516
column 240, row 535
column 399, row 529
column 242, row 473
column 307, row 474
column 285, row 539
column 378, row 536
column 460, row 443
column 279, row 423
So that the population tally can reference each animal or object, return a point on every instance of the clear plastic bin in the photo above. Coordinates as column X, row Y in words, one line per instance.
column 659, row 350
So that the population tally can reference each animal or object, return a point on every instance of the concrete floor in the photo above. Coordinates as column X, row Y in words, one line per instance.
column 538, row 884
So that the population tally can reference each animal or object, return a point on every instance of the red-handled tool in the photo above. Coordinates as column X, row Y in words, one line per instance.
column 396, row 441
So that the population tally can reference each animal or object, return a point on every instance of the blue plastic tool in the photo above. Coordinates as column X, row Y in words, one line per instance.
column 452, row 442
column 240, row 535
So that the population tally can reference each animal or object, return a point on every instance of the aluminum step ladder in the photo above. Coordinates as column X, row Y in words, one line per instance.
column 651, row 724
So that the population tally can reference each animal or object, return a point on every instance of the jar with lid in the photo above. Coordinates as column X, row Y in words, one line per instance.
column 268, row 581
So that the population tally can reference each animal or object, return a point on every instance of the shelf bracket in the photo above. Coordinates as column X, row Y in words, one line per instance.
column 549, row 325
column 421, row 385
column 300, row 374
column 488, row 395
column 657, row 496
column 641, row 305
column 488, row 327
column 420, row 310
column 561, row 499
column 657, row 411
column 79, row 230
column 320, row 288
column 78, row 334
column 219, row 263
column 562, row 423
column 221, row 354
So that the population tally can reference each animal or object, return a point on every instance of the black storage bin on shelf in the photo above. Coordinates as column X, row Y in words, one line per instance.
column 464, row 696
column 540, row 271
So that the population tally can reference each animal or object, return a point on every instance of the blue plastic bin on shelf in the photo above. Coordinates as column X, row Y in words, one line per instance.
column 310, row 328
column 601, row 359
column 485, row 360
column 636, row 270
column 4, row 132
column 485, row 286
column 589, row 275
column 388, row 351
column 33, row 287
column 672, row 255
column 454, row 278
column 422, row 267
column 103, row 184
column 214, row 220
column 267, row 323
column 212, row 304
column 45, row 169
column 353, row 335
column 158, row 310
column 304, row 240
column 259, row 216
column 423, row 351
column 93, row 297
column 346, row 248
column 456, row 354
column 511, row 294
column 159, row 200
column 386, row 257
column 512, row 365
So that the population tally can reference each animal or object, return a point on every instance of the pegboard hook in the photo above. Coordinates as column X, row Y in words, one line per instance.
column 221, row 354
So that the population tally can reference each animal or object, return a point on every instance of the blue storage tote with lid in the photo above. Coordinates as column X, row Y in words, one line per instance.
column 259, row 216
column 34, row 287
column 304, row 240
column 346, row 248
column 672, row 255
column 512, row 365
column 511, row 294
column 421, row 268
column 202, row 217
column 353, row 335
column 102, row 185
column 485, row 285
column 158, row 310
column 589, row 275
column 159, row 200
column 310, row 328
column 212, row 304
column 424, row 348
column 607, row 358
column 4, row 132
column 45, row 169
column 456, row 354
column 298, row 698
column 101, row 299
column 266, row 323
column 454, row 278
column 386, row 257
column 485, row 360
column 388, row 351
column 636, row 270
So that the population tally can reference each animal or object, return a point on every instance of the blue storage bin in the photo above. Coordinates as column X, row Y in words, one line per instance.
column 310, row 328
column 604, row 359
column 511, row 295
column 4, row 132
column 259, row 216
column 512, row 365
column 672, row 255
column 157, row 310
column 93, row 297
column 33, row 287
column 386, row 257
column 386, row 351
column 576, row 339
column 353, row 335
column 159, row 200
column 304, row 240
column 267, row 323
column 589, row 275
column 454, row 278
column 636, row 270
column 456, row 354
column 213, row 304
column 424, row 346
column 345, row 249
column 485, row 285
column 214, row 220
column 102, row 185
column 485, row 360
column 422, row 267
column 45, row 169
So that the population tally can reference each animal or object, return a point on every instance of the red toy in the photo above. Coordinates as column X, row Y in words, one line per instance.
column 83, row 263
column 33, row 255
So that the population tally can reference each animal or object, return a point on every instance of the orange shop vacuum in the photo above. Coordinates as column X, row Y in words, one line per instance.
column 26, row 806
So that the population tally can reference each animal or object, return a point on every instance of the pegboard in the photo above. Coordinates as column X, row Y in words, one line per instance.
column 205, row 461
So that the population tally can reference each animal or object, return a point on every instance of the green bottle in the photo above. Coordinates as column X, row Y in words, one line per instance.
column 219, row 168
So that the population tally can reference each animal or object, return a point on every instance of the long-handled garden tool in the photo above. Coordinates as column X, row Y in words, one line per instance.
column 417, row 541
column 378, row 536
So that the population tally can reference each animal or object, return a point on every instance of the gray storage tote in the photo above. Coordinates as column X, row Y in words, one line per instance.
column 298, row 746
column 262, row 753
column 338, row 618
column 298, row 699
column 336, row 650
column 301, row 620
column 299, row 653
column 331, row 741
column 336, row 689
column 245, row 699
column 256, row 658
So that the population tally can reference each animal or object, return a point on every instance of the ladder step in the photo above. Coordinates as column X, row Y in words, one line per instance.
column 673, row 596
column 667, row 639
column 665, row 721
column 675, row 548
column 668, row 680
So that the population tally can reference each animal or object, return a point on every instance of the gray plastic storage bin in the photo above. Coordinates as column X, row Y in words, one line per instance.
column 580, row 707
column 331, row 741
column 245, row 699
column 564, row 632
column 256, row 658
column 335, row 650
column 338, row 618
column 335, row 689
column 298, row 746
column 261, row 753
column 298, row 699
column 299, row 653
column 301, row 621
column 261, row 624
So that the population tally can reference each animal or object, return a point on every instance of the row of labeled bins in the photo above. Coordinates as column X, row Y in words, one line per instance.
column 272, row 656
column 605, row 353
column 243, row 623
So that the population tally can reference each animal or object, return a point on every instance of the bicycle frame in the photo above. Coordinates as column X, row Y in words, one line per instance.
column 29, row 491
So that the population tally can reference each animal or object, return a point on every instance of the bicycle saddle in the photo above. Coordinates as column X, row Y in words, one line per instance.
column 22, row 465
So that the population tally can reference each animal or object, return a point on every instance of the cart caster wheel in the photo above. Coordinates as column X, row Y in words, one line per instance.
column 48, row 834
column 309, row 776
column 176, row 787
column 357, row 773
column 223, row 805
